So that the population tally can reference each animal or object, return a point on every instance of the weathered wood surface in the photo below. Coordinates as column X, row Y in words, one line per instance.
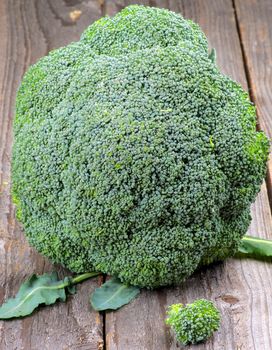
column 254, row 23
column 28, row 30
column 241, row 289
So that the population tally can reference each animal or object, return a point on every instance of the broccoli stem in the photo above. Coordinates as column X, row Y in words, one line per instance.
column 84, row 277
column 257, row 240
column 255, row 247
column 69, row 281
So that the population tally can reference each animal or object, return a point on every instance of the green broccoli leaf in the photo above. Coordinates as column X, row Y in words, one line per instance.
column 255, row 247
column 45, row 289
column 71, row 288
column 112, row 295
column 212, row 55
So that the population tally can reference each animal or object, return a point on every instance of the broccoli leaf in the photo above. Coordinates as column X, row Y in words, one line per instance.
column 112, row 295
column 212, row 55
column 45, row 289
column 255, row 247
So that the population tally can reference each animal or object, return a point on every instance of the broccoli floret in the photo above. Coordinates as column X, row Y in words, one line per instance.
column 134, row 28
column 194, row 322
column 139, row 163
column 139, row 27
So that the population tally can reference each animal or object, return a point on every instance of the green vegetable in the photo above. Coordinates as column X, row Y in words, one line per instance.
column 255, row 247
column 212, row 55
column 112, row 295
column 45, row 289
column 194, row 322
column 134, row 155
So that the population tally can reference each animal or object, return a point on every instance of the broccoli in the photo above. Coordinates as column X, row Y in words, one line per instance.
column 133, row 154
column 194, row 322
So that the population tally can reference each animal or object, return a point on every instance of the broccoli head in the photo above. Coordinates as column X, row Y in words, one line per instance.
column 194, row 322
column 133, row 154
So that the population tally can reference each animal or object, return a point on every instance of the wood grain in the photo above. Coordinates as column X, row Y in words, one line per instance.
column 254, row 23
column 28, row 30
column 241, row 289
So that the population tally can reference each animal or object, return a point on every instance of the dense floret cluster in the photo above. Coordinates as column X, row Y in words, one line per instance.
column 194, row 322
column 133, row 154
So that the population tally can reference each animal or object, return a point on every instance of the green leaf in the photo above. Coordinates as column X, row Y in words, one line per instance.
column 45, row 289
column 112, row 295
column 255, row 247
column 212, row 55
column 68, row 281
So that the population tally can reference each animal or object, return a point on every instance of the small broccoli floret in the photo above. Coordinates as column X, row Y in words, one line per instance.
column 194, row 322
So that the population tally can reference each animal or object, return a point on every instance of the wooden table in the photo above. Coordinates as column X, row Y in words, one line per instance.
column 241, row 32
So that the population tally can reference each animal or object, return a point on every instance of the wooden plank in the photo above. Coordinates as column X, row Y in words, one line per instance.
column 241, row 289
column 28, row 29
column 255, row 26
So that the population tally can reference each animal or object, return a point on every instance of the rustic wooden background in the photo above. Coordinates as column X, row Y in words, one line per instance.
column 241, row 32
